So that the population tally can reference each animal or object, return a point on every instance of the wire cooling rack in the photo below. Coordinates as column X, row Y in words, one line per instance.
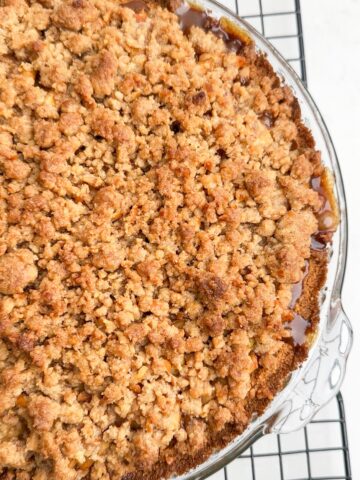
column 319, row 451
column 280, row 22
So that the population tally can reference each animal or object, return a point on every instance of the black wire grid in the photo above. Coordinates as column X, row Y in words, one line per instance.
column 320, row 451
column 317, row 452
column 280, row 22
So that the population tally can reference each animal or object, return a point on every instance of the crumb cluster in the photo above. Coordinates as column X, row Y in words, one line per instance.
column 155, row 212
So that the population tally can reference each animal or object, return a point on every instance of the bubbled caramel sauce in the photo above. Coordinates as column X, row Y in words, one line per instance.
column 328, row 220
column 328, row 216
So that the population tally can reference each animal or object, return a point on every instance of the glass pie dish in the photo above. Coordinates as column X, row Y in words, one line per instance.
column 319, row 378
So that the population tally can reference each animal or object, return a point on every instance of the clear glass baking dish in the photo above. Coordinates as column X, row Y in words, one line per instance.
column 319, row 378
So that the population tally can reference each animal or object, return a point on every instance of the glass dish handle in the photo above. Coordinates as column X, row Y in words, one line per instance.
column 322, row 378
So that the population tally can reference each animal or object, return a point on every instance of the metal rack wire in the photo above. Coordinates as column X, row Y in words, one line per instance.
column 280, row 22
column 320, row 451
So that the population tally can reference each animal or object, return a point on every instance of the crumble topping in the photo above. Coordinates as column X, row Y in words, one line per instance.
column 156, row 211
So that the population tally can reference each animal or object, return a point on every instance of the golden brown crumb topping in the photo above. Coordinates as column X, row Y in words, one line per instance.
column 155, row 211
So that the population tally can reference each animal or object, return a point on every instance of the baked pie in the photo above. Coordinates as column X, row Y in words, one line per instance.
column 164, row 222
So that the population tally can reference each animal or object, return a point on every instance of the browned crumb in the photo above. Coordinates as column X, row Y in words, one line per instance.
column 155, row 212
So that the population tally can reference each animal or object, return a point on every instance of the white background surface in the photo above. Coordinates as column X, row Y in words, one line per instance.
column 332, row 47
